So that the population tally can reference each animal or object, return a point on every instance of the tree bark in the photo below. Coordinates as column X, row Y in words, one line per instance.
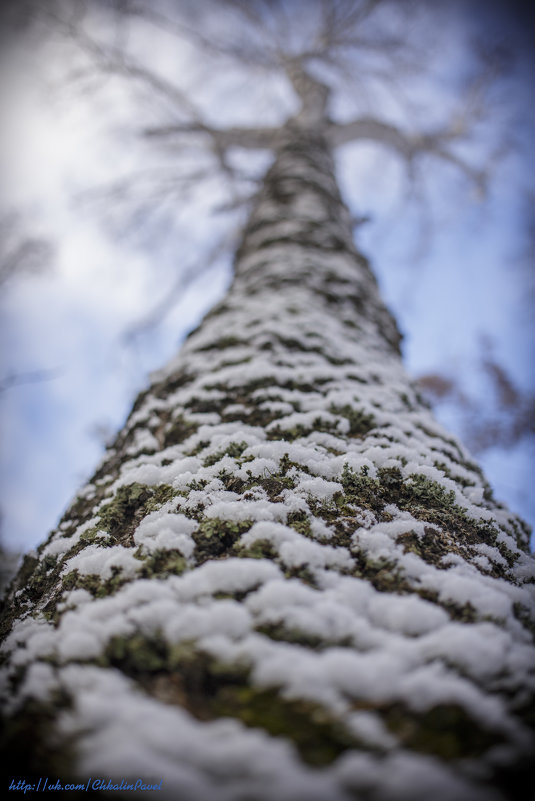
column 285, row 580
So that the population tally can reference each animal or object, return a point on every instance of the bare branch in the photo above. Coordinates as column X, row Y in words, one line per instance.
column 112, row 59
column 30, row 377
column 187, row 277
column 408, row 146
column 246, row 138
column 20, row 253
column 508, row 416
column 238, row 48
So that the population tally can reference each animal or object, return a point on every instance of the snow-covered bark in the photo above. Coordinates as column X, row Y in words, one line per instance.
column 285, row 580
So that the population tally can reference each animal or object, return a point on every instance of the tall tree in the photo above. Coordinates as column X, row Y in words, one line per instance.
column 285, row 579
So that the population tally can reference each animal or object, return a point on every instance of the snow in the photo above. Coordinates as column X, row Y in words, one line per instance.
column 101, row 561
column 160, row 531
column 231, row 575
column 408, row 777
column 226, row 616
column 79, row 645
column 409, row 615
column 60, row 544
column 368, row 727
column 319, row 488
column 240, row 510
column 320, row 530
column 40, row 681
column 257, row 467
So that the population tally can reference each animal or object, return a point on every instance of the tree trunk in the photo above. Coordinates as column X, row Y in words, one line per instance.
column 285, row 580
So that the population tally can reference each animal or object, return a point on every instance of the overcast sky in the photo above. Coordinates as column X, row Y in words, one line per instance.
column 454, row 269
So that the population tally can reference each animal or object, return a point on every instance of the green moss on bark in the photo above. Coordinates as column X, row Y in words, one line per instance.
column 425, row 499
column 97, row 586
column 178, row 431
column 360, row 422
column 33, row 749
column 208, row 689
column 234, row 450
column 215, row 538
column 446, row 731
column 130, row 504
column 163, row 563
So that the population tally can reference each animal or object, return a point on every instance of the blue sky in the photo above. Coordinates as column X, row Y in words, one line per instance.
column 466, row 279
